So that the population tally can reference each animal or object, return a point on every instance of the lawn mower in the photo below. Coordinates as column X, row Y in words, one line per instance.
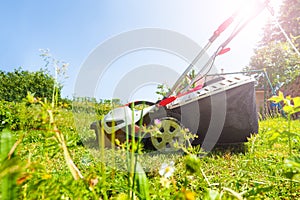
column 218, row 109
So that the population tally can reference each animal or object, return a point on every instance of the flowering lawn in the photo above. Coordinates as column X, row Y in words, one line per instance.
column 47, row 163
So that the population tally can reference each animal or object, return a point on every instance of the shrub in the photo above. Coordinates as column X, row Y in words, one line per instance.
column 21, row 116
column 15, row 85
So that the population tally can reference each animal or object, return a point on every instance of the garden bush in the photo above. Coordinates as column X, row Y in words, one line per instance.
column 15, row 85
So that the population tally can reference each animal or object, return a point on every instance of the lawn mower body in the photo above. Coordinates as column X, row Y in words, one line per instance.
column 225, row 111
column 222, row 111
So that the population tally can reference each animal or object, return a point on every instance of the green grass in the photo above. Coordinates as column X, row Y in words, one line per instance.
column 259, row 172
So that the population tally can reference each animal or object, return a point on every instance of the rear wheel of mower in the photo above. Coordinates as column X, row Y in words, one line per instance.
column 169, row 134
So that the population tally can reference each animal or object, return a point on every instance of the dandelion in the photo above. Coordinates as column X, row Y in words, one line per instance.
column 46, row 176
column 189, row 195
column 167, row 170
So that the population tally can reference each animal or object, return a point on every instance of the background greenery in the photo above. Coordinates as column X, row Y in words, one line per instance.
column 273, row 52
column 15, row 85
column 263, row 169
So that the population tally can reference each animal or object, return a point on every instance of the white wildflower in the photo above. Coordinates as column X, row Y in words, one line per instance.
column 167, row 170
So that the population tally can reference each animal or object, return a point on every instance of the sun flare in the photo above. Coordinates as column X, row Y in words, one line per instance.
column 246, row 9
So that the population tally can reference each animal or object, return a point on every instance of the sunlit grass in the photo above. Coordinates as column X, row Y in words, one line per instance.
column 258, row 171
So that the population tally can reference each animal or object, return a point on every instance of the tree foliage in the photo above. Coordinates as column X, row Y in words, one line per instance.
column 274, row 53
column 289, row 19
column 15, row 85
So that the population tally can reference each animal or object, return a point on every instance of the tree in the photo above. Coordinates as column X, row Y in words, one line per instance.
column 15, row 85
column 289, row 19
column 274, row 53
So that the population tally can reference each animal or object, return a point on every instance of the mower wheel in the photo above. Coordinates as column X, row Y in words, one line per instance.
column 169, row 134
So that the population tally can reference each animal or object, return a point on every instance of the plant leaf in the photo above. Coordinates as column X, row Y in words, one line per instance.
column 275, row 99
column 293, row 162
column 296, row 101
column 142, row 182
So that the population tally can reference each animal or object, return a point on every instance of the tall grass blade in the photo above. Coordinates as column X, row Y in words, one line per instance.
column 8, row 182
column 142, row 183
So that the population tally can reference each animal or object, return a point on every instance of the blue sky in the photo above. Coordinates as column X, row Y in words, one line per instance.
column 72, row 29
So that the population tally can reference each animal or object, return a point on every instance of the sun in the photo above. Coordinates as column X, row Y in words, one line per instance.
column 246, row 9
